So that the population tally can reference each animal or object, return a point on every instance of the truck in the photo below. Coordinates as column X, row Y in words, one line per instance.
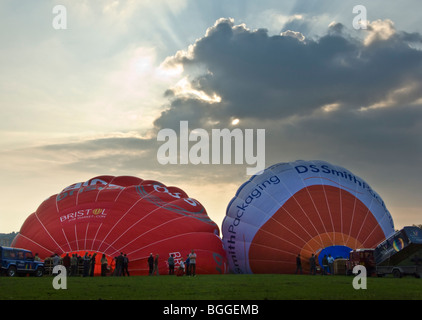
column 14, row 261
column 400, row 254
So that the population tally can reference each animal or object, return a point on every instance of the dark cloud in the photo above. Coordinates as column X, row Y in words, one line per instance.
column 260, row 76
column 354, row 101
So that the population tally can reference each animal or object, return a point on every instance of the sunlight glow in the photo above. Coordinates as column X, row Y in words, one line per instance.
column 184, row 88
column 330, row 107
column 379, row 30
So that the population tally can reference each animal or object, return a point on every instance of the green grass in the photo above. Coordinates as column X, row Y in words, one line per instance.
column 211, row 287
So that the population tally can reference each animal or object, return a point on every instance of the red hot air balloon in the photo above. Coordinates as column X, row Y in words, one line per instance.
column 109, row 215
column 301, row 207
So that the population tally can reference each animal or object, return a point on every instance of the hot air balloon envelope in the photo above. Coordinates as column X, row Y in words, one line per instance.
column 301, row 207
column 112, row 215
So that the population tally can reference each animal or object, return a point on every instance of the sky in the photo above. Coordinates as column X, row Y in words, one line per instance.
column 90, row 99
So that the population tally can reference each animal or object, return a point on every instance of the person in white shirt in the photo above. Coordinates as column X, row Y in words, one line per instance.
column 192, row 263
column 181, row 270
column 331, row 264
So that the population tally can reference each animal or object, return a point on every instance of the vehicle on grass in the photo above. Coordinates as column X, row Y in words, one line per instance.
column 400, row 254
column 15, row 261
column 362, row 257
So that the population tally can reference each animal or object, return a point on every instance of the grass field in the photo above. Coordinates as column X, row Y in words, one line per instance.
column 210, row 287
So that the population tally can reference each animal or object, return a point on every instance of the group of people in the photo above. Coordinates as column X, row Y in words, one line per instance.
column 77, row 265
column 327, row 265
column 122, row 265
column 187, row 267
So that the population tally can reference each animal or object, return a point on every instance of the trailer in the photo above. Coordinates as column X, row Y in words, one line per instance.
column 362, row 257
column 400, row 254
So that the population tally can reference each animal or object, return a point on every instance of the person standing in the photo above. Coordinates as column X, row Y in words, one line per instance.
column 171, row 264
column 298, row 264
column 104, row 265
column 331, row 264
column 80, row 264
column 187, row 265
column 156, row 266
column 324, row 265
column 86, row 260
column 74, row 265
column 92, row 265
column 312, row 264
column 56, row 262
column 150, row 264
column 119, row 265
column 125, row 265
column 192, row 263
column 66, row 263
